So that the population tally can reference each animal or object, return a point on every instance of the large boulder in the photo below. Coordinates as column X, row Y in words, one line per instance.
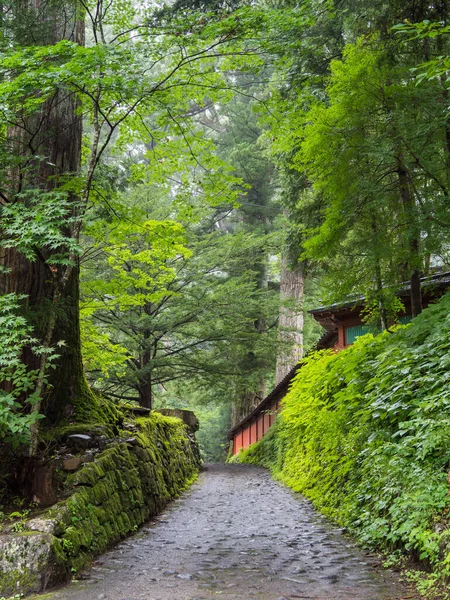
column 30, row 562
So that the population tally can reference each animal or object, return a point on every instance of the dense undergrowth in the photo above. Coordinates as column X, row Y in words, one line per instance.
column 365, row 434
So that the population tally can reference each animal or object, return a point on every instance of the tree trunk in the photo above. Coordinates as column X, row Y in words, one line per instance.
column 246, row 402
column 290, row 325
column 148, row 353
column 413, row 235
column 48, row 147
column 145, row 382
column 145, row 394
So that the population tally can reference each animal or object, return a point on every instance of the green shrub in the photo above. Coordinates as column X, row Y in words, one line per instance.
column 18, row 381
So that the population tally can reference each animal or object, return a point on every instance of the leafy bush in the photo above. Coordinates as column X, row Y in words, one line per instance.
column 18, row 394
column 365, row 434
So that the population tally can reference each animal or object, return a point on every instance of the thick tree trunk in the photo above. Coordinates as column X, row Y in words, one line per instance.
column 145, row 394
column 48, row 145
column 290, row 325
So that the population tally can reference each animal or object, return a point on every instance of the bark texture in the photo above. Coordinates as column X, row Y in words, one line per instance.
column 47, row 147
column 413, row 236
column 290, row 326
column 246, row 402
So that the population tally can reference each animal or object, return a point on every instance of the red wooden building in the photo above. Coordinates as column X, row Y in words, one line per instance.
column 342, row 324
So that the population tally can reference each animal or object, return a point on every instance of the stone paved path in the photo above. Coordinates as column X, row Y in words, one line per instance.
column 236, row 535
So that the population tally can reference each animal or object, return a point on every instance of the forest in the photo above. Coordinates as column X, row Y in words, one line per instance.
column 182, row 181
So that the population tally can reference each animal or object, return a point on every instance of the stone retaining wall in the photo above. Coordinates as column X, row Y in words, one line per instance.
column 128, row 483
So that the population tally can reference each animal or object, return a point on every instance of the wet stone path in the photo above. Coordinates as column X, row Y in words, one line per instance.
column 236, row 535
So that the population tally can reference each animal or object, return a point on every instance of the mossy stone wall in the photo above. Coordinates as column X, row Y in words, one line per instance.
column 126, row 485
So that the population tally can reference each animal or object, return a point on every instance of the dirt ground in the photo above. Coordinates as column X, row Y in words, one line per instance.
column 236, row 535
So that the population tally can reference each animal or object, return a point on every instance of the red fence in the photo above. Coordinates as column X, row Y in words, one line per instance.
column 257, row 423
column 255, row 430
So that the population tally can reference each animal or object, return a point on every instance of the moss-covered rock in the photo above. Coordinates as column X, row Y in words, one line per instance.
column 31, row 562
column 109, row 498
column 95, row 430
column 187, row 416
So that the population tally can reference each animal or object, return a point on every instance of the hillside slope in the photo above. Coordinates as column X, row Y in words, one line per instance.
column 365, row 434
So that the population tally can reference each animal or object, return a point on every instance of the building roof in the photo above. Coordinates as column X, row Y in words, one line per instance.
column 439, row 280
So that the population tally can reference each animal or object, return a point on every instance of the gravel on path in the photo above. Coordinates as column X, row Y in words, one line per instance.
column 236, row 535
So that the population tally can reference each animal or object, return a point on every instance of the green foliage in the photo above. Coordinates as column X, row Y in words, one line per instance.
column 138, row 257
column 354, row 148
column 365, row 434
column 134, row 263
column 19, row 381
column 34, row 221
column 161, row 302
column 361, row 147
column 212, row 434
column 20, row 519
column 134, row 83
column 436, row 68
column 213, row 415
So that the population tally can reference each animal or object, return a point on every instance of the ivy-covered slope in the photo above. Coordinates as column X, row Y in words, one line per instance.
column 365, row 434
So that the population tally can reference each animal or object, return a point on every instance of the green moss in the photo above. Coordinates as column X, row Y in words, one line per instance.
column 112, row 505
column 29, row 565
column 118, row 492
column 80, row 561
column 101, row 492
column 91, row 412
column 59, row 554
column 16, row 579
column 60, row 433
column 92, row 407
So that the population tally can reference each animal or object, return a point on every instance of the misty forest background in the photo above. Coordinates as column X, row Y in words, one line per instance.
column 181, row 182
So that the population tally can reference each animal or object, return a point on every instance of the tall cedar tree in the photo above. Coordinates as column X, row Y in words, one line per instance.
column 47, row 145
column 311, row 51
